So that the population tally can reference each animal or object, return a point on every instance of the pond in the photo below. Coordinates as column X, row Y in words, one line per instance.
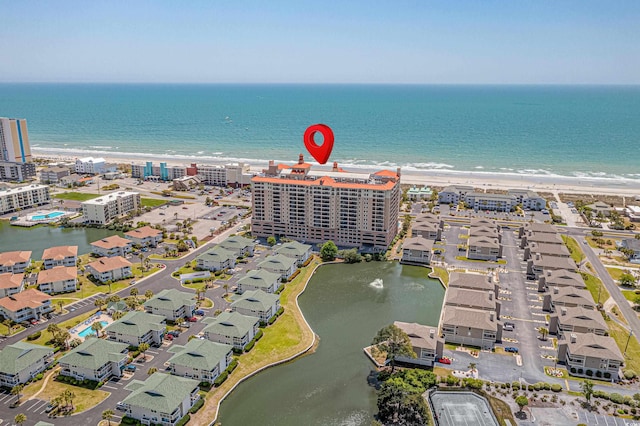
column 40, row 237
column 345, row 305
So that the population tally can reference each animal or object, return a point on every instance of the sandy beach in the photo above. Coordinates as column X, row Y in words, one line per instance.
column 435, row 177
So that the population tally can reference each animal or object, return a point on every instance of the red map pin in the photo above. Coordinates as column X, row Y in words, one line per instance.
column 320, row 152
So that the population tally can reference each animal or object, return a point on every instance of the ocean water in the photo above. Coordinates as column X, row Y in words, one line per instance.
column 577, row 131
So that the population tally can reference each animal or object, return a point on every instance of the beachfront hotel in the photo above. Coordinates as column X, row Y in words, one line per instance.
column 105, row 209
column 24, row 197
column 352, row 209
column 14, row 140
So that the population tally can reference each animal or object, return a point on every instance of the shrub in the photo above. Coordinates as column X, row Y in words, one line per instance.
column 616, row 398
column 258, row 335
column 573, row 370
column 232, row 366
column 129, row 421
column 39, row 376
column 237, row 351
column 473, row 383
column 249, row 346
column 538, row 386
column 607, row 375
column 556, row 387
column 198, row 405
column 546, row 386
column 515, row 385
column 530, row 388
column 629, row 374
column 589, row 373
column 183, row 421
column 220, row 379
column 598, row 373
column 273, row 319
column 34, row 336
column 280, row 311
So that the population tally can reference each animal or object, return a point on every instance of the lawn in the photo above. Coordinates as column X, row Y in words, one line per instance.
column 206, row 303
column 592, row 242
column 620, row 335
column 152, row 202
column 45, row 336
column 76, row 196
column 137, row 272
column 84, row 398
column 616, row 273
column 4, row 330
column 466, row 259
column 576, row 252
column 440, row 273
column 630, row 295
column 594, row 285
column 286, row 337
column 89, row 288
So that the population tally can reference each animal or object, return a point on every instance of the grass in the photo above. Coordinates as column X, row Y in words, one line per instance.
column 576, row 252
column 595, row 286
column 76, row 196
column 286, row 337
column 466, row 259
column 85, row 399
column 152, row 202
column 45, row 336
column 565, row 373
column 630, row 295
column 616, row 273
column 206, row 303
column 592, row 242
column 620, row 335
column 137, row 272
column 4, row 330
column 441, row 273
column 501, row 410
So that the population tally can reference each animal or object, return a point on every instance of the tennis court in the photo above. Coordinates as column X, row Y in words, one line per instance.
column 461, row 409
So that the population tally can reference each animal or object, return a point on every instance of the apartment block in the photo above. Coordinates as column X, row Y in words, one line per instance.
column 14, row 140
column 23, row 197
column 53, row 175
column 16, row 172
column 103, row 210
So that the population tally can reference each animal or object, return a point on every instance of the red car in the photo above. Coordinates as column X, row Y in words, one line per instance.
column 168, row 337
column 444, row 361
column 192, row 319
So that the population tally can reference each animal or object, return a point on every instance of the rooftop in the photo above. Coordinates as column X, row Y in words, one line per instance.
column 20, row 355
column 293, row 248
column 30, row 298
column 259, row 278
column 112, row 242
column 104, row 199
column 472, row 298
column 473, row 281
column 256, row 300
column 161, row 392
column 59, row 252
column 418, row 243
column 237, row 242
column 10, row 258
column 564, row 278
column 94, row 353
column 420, row 335
column 137, row 323
column 231, row 324
column 467, row 317
column 592, row 345
column 144, row 232
column 171, row 299
column 200, row 354
column 9, row 280
column 277, row 261
column 105, row 264
column 581, row 317
column 217, row 254
column 58, row 273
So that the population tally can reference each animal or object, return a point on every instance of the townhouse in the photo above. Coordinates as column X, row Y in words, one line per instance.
column 202, row 360
column 60, row 256
column 172, row 304
column 21, row 362
column 110, row 269
column 14, row 261
column 258, row 304
column 27, row 305
column 138, row 327
column 279, row 264
column 231, row 328
column 114, row 245
column 95, row 359
column 145, row 236
column 425, row 341
column 259, row 279
column 60, row 279
column 11, row 284
column 417, row 250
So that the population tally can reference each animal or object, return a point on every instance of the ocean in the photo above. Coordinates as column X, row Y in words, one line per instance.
column 574, row 131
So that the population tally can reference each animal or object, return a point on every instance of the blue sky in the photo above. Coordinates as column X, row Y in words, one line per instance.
column 433, row 42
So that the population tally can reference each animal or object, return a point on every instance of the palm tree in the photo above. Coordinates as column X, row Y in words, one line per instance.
column 20, row 418
column 54, row 329
column 107, row 415
column 543, row 333
column 97, row 326
column 68, row 396
column 134, row 292
column 60, row 304
column 143, row 347
column 99, row 302
column 226, row 288
column 141, row 256
column 148, row 294
column 16, row 391
column 117, row 315
column 7, row 323
column 152, row 370
column 472, row 366
column 109, row 282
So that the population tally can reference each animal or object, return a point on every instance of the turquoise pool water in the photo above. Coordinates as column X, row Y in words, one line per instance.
column 88, row 330
column 51, row 215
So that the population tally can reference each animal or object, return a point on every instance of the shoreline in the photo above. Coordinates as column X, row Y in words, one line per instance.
column 434, row 177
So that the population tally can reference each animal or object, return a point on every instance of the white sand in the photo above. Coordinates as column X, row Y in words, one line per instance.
column 484, row 180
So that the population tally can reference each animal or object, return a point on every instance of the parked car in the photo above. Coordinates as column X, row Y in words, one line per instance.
column 444, row 360
column 199, row 312
column 511, row 349
column 49, row 408
column 168, row 336
column 130, row 367
column 192, row 319
column 174, row 333
column 120, row 406
column 508, row 327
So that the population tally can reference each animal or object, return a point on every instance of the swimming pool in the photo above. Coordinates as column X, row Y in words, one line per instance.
column 88, row 330
column 47, row 216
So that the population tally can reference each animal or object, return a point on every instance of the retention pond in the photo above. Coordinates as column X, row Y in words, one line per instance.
column 345, row 305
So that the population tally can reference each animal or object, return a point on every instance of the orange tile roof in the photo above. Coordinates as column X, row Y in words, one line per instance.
column 59, row 252
column 10, row 258
column 111, row 242
column 387, row 173
column 30, row 298
column 9, row 280
column 326, row 181
column 144, row 232
column 106, row 264
column 59, row 273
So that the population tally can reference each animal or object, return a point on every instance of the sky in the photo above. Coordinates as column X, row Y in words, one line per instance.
column 301, row 41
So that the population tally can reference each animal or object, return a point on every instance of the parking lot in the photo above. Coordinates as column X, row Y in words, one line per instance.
column 84, row 302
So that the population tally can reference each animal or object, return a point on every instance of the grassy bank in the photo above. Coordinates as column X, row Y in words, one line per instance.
column 76, row 196
column 574, row 248
column 595, row 287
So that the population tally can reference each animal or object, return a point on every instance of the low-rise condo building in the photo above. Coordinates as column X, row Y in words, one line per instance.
column 417, row 250
column 259, row 279
column 114, row 245
column 95, row 359
column 138, row 327
column 16, row 172
column 538, row 228
column 453, row 194
column 484, row 248
column 539, row 263
column 105, row 209
column 470, row 327
column 493, row 202
column 27, row 305
column 540, row 237
column 239, row 245
column 21, row 362
column 569, row 297
column 23, row 197
column 231, row 328
column 145, row 236
column 560, row 278
column 544, row 249
column 258, row 304
column 429, row 230
column 110, row 269
column 172, row 304
column 425, row 341
column 529, row 200
column 60, row 256
column 577, row 320
column 91, row 165
column 61, row 279
column 590, row 355
column 279, row 264
column 474, row 299
column 202, row 360
column 14, row 261
column 298, row 251
column 52, row 175
column 11, row 283
column 473, row 282
column 216, row 259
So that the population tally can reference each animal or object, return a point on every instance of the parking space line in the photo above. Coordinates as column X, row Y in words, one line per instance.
column 109, row 387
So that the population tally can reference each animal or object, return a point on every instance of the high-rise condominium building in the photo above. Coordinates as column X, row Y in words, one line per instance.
column 14, row 140
column 352, row 209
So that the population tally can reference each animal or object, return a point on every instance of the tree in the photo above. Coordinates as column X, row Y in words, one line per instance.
column 143, row 347
column 395, row 342
column 133, row 292
column 97, row 326
column 587, row 390
column 399, row 403
column 68, row 397
column 148, row 294
column 328, row 251
column 117, row 315
column 16, row 390
column 152, row 370
column 132, row 302
column 20, row 418
column 522, row 401
column 107, row 415
column 472, row 366
column 271, row 241
column 53, row 329
column 543, row 333
column 351, row 256
column 226, row 289
column 99, row 302
column 627, row 280
column 141, row 257
column 60, row 305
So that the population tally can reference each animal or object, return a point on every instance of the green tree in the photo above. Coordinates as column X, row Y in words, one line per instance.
column 148, row 294
column 271, row 241
column 226, row 289
column 587, row 390
column 117, row 315
column 152, row 370
column 53, row 329
column 543, row 332
column 329, row 251
column 68, row 397
column 394, row 342
column 143, row 347
column 351, row 256
column 134, row 292
column 20, row 418
column 522, row 401
column 99, row 302
column 472, row 366
column 627, row 280
column 401, row 404
column 107, row 415
column 16, row 390
column 97, row 326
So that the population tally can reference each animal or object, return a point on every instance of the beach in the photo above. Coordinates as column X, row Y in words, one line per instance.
column 484, row 180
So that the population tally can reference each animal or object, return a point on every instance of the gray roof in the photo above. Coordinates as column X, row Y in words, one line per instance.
column 483, row 242
column 237, row 242
column 200, row 354
column 160, row 392
column 564, row 278
column 293, row 249
column 259, row 278
column 470, row 298
column 473, row 281
column 631, row 243
column 94, row 353
column 553, row 262
column 487, row 196
column 419, row 334
column 120, row 305
column 550, row 249
column 542, row 228
column 466, row 317
column 481, row 221
column 20, row 355
column 232, row 324
column 217, row 254
column 427, row 218
column 277, row 261
column 256, row 300
column 457, row 188
column 171, row 299
column 571, row 295
column 542, row 237
column 137, row 323
column 426, row 226
column 483, row 230
column 593, row 345
column 418, row 243
column 581, row 317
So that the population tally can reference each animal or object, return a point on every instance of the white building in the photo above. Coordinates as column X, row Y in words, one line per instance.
column 90, row 165
column 145, row 236
column 95, row 359
column 105, row 209
column 279, row 264
column 15, row 261
column 60, row 256
column 60, row 279
column 202, row 360
column 138, row 327
column 23, row 197
column 231, row 328
column 11, row 284
column 23, row 361
column 172, row 304
column 26, row 305
column 110, row 269
column 112, row 246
